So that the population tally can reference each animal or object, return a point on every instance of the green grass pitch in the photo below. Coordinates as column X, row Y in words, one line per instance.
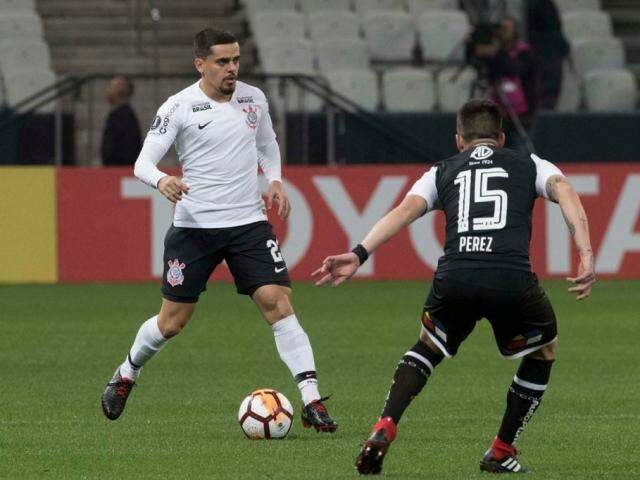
column 60, row 344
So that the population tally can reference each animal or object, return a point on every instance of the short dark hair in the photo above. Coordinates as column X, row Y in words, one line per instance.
column 207, row 38
column 479, row 119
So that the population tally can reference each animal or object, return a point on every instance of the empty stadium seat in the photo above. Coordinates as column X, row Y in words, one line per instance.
column 570, row 93
column 15, row 55
column 286, row 56
column 597, row 53
column 360, row 86
column 20, row 25
column 9, row 6
column 326, row 25
column 286, row 25
column 610, row 90
column 390, row 36
column 567, row 5
column 311, row 6
column 408, row 90
column 454, row 87
column 418, row 7
column 256, row 7
column 366, row 6
column 20, row 85
column 342, row 54
column 586, row 24
column 291, row 97
column 442, row 34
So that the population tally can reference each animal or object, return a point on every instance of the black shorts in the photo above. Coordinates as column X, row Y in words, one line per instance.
column 191, row 254
column 519, row 311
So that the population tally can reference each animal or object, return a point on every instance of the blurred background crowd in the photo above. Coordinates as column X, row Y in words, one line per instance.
column 349, row 81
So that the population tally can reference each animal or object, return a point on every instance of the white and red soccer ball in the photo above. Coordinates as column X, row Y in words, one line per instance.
column 265, row 414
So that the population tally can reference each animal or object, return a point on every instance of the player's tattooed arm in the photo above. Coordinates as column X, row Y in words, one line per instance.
column 551, row 186
column 560, row 190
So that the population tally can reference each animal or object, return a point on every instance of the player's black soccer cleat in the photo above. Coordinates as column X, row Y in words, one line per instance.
column 115, row 395
column 508, row 464
column 315, row 415
column 371, row 456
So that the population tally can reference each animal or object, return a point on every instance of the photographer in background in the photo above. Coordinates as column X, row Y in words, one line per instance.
column 507, row 73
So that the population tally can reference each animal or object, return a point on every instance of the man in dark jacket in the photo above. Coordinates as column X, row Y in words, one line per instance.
column 121, row 139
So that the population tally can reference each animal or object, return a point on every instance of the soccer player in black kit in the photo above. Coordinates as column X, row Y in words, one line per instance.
column 487, row 193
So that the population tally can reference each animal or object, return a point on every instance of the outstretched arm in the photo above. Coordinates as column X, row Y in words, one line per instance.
column 338, row 268
column 559, row 190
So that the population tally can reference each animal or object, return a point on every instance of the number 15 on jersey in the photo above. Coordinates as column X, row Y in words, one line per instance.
column 479, row 178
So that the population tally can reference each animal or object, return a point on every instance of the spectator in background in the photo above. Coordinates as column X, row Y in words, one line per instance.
column 507, row 73
column 550, row 45
column 121, row 139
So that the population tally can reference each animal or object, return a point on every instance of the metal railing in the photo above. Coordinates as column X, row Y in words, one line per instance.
column 76, row 92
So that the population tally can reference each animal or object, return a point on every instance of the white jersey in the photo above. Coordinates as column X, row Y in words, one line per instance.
column 217, row 147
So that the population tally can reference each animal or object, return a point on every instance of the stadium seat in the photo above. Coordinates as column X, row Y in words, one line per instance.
column 454, row 87
column 15, row 55
column 597, row 53
column 20, row 85
column 20, row 25
column 326, row 25
column 610, row 90
column 360, row 86
column 292, row 98
column 418, row 7
column 286, row 57
column 14, row 6
column 256, row 7
column 570, row 93
column 312, row 6
column 390, row 36
column 285, row 25
column 442, row 34
column 342, row 54
column 366, row 6
column 408, row 90
column 586, row 24
column 567, row 5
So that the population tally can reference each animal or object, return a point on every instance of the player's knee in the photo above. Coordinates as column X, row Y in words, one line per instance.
column 274, row 301
column 546, row 353
column 171, row 321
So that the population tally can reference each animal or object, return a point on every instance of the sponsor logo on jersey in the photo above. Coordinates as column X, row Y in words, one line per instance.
column 200, row 107
column 252, row 116
column 175, row 275
column 481, row 152
column 156, row 122
column 248, row 99
column 202, row 125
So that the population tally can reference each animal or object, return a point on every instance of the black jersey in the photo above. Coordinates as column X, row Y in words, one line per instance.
column 487, row 195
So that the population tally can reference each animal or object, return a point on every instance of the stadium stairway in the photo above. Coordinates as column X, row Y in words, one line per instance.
column 103, row 36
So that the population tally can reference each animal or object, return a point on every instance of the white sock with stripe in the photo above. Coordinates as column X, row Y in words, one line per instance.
column 295, row 351
column 148, row 342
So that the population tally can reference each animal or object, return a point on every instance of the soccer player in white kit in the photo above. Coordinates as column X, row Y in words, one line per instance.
column 222, row 132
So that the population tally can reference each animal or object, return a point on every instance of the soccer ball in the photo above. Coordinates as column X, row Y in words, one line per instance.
column 265, row 414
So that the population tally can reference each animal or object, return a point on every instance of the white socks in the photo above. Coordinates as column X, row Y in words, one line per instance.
column 295, row 351
column 148, row 342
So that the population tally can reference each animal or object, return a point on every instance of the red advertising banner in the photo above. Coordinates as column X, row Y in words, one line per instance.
column 112, row 227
